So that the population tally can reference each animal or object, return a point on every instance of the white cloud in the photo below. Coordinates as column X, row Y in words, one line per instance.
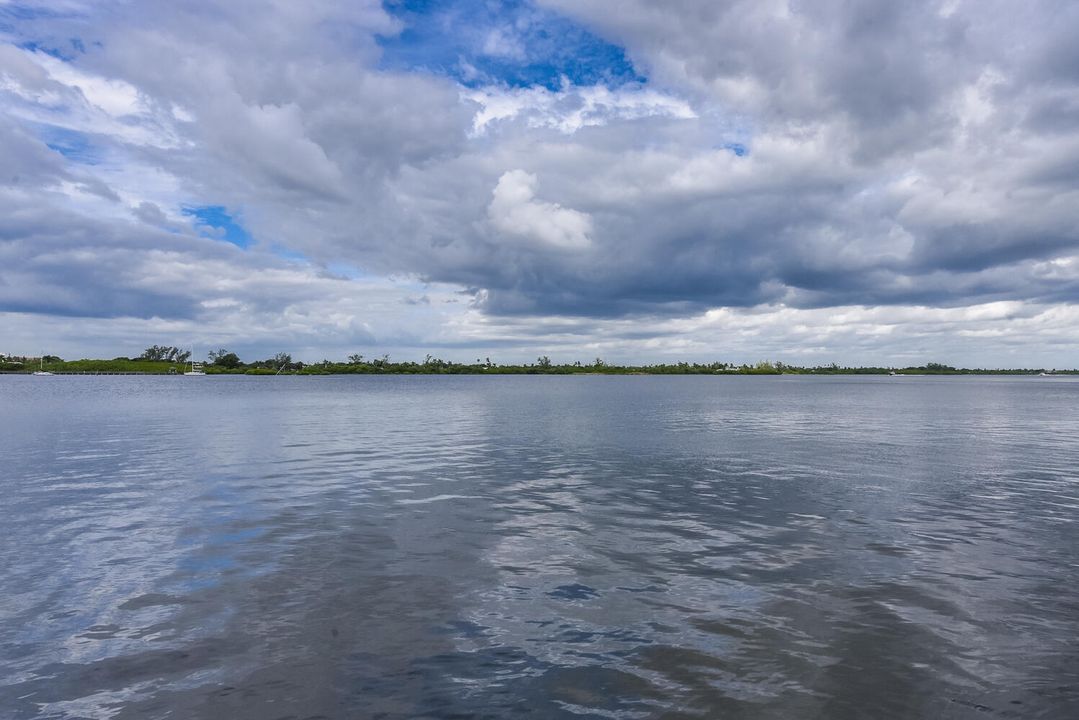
column 114, row 97
column 501, row 42
column 572, row 108
column 52, row 92
column 1015, row 334
column 514, row 210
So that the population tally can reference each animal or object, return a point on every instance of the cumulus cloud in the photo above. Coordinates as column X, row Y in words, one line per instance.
column 514, row 210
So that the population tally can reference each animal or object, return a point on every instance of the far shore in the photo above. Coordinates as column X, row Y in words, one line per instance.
column 223, row 363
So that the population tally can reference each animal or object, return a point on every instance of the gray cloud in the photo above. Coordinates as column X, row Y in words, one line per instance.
column 782, row 154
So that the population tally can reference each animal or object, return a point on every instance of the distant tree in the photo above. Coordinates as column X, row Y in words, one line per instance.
column 281, row 360
column 225, row 359
column 355, row 359
column 599, row 363
column 544, row 362
column 154, row 352
column 166, row 353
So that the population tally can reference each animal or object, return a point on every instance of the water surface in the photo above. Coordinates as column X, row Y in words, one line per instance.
column 549, row 547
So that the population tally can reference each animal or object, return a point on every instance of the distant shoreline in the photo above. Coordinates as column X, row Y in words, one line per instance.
column 170, row 360
column 100, row 368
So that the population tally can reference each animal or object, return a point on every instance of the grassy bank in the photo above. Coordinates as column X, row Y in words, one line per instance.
column 119, row 365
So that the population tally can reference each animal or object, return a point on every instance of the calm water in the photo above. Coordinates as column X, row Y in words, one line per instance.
column 637, row 547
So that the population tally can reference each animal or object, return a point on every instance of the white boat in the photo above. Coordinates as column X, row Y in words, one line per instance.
column 43, row 371
column 196, row 369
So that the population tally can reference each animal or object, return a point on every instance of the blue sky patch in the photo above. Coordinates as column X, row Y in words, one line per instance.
column 74, row 145
column 26, row 26
column 35, row 46
column 12, row 13
column 511, row 42
column 737, row 148
column 66, row 52
column 214, row 221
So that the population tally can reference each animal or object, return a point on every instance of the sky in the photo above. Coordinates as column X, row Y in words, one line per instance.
column 811, row 181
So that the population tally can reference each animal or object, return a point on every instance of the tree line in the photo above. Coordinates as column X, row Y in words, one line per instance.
column 169, row 358
column 357, row 363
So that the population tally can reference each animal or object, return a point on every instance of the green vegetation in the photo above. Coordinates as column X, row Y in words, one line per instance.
column 225, row 360
column 118, row 365
column 166, row 353
column 168, row 359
